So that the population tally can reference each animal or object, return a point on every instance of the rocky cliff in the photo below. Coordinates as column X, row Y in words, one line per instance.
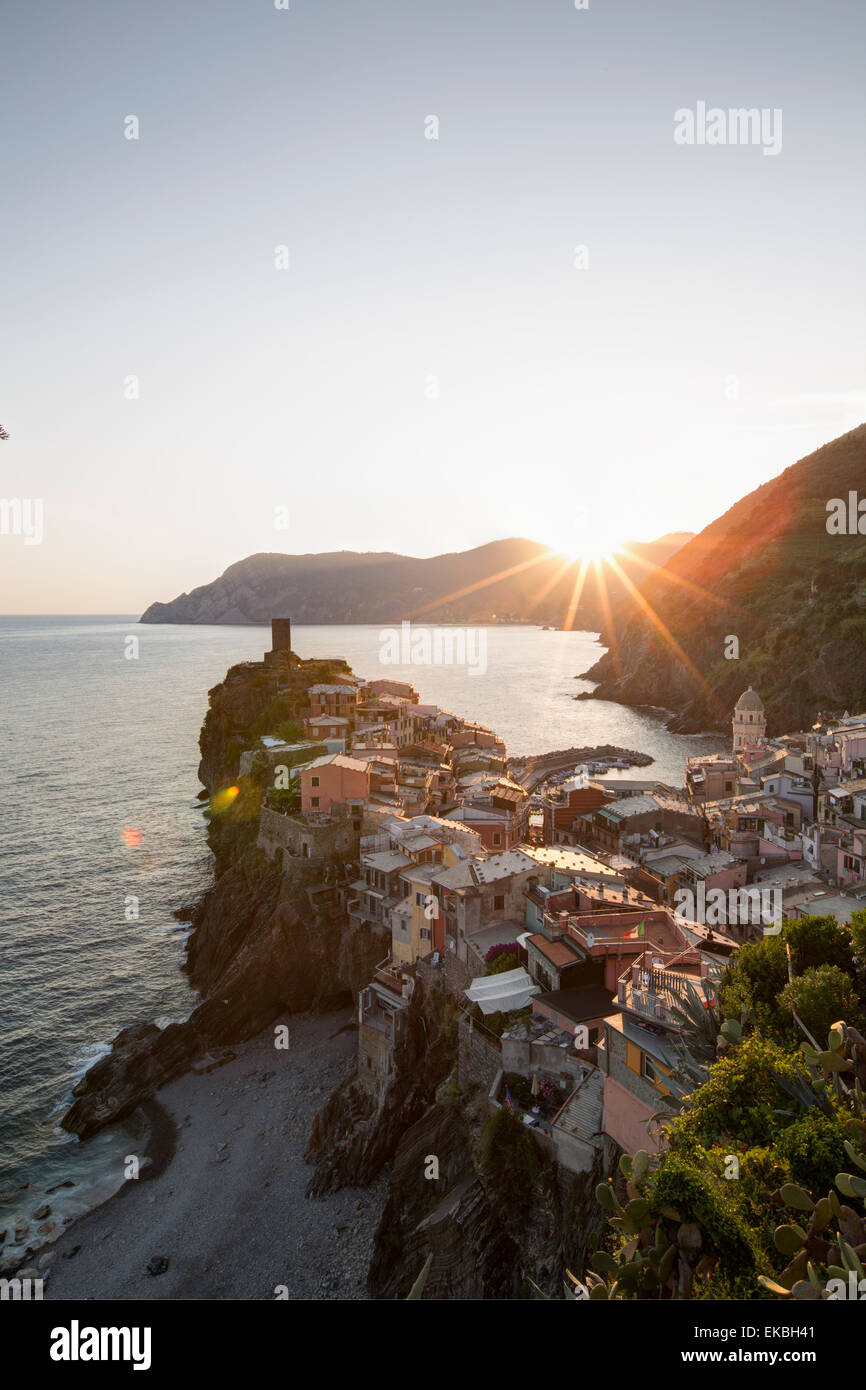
column 495, row 1216
column 490, row 1227
column 261, row 944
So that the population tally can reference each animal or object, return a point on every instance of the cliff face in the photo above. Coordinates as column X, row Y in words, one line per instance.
column 260, row 946
column 770, row 574
column 488, row 1236
column 492, row 1219
column 352, row 1137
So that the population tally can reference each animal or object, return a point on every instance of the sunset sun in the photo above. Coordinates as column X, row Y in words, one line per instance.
column 589, row 548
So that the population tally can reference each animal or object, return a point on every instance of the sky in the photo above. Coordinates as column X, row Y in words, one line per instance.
column 288, row 318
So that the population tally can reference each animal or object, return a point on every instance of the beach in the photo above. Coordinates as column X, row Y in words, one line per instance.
column 219, row 1211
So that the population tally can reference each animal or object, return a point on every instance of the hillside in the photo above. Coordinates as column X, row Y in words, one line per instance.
column 505, row 579
column 769, row 573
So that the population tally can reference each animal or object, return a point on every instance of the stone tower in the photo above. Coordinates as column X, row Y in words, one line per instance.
column 749, row 720
column 281, row 641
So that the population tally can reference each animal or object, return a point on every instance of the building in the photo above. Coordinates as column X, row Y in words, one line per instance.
column 749, row 722
column 327, row 726
column 336, row 779
column 711, row 777
column 334, row 697
column 622, row 826
column 383, row 1007
column 638, row 1054
column 482, row 904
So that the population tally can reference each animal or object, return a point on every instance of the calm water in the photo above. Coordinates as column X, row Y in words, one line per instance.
column 94, row 744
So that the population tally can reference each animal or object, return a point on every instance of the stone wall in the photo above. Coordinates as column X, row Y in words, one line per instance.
column 479, row 1057
column 294, row 838
column 525, row 1056
column 458, row 974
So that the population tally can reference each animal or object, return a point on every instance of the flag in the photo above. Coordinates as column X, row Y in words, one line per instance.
column 508, row 1101
column 638, row 931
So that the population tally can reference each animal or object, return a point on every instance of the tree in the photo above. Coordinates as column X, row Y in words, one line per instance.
column 758, row 973
column 820, row 996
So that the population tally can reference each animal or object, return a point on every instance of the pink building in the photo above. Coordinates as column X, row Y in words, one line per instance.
column 337, row 779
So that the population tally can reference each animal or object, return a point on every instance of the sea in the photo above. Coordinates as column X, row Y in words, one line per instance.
column 102, row 837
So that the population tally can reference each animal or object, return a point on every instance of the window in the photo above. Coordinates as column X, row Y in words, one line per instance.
column 647, row 1068
column 314, row 801
column 499, row 903
column 497, row 837
column 314, row 781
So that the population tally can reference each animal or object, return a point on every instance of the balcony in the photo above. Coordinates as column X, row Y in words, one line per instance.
column 398, row 979
column 658, row 993
column 356, row 907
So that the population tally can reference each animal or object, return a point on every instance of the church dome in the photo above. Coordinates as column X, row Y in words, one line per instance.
column 750, row 699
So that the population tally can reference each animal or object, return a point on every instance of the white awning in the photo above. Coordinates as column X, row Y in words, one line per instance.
column 512, row 989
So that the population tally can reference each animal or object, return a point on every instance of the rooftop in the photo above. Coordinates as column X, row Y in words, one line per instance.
column 579, row 1004
column 627, row 806
column 557, row 952
column 475, row 872
column 386, row 861
column 339, row 760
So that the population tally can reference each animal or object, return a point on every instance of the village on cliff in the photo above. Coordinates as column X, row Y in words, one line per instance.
column 578, row 923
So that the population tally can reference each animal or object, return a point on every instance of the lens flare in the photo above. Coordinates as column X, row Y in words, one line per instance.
column 223, row 800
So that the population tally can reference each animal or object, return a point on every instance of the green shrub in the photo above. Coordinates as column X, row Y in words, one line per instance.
column 739, row 1099
column 814, row 1146
column 821, row 995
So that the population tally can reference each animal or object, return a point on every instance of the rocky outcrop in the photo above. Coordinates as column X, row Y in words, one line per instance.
column 352, row 1137
column 485, row 1241
column 489, row 1226
column 261, row 945
column 251, row 701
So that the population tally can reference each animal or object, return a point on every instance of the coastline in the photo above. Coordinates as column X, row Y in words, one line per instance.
column 222, row 1199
